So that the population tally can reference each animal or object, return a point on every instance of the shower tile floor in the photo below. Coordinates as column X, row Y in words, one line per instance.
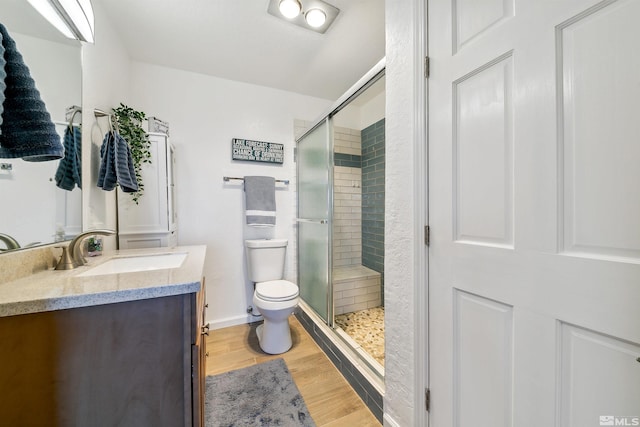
column 365, row 327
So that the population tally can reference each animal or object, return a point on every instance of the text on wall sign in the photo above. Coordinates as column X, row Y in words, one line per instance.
column 257, row 151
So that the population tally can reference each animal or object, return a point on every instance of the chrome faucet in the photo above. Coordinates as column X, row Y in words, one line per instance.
column 9, row 241
column 72, row 254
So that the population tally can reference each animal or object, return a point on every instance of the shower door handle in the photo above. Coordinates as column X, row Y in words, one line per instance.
column 313, row 221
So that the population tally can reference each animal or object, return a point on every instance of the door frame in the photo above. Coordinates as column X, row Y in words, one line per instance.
column 406, row 179
column 421, row 196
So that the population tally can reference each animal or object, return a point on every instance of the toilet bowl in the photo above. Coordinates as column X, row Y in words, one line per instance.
column 275, row 300
column 273, row 297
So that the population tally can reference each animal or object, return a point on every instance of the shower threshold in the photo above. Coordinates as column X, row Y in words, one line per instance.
column 351, row 353
column 364, row 355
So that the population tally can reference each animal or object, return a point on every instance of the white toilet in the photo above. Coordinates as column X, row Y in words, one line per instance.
column 273, row 297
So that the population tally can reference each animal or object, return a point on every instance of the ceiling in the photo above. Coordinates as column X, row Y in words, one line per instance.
column 239, row 40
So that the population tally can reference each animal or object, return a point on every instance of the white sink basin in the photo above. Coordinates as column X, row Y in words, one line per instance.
column 129, row 264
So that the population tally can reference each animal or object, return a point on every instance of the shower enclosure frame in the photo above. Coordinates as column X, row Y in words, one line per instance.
column 327, row 221
column 363, row 84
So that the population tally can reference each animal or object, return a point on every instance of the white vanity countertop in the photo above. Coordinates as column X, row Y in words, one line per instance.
column 58, row 290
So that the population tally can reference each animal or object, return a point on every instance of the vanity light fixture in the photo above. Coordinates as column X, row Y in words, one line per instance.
column 315, row 15
column 73, row 18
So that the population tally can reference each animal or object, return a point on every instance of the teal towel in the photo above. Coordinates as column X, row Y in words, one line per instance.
column 26, row 129
column 116, row 167
column 69, row 173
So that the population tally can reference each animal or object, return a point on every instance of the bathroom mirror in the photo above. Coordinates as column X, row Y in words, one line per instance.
column 34, row 210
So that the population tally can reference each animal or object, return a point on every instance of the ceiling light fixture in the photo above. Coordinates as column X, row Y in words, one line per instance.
column 290, row 8
column 315, row 17
column 73, row 18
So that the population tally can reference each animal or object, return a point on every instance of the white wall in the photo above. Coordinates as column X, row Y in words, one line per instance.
column 348, row 117
column 105, row 83
column 204, row 114
column 373, row 111
column 362, row 115
column 402, row 211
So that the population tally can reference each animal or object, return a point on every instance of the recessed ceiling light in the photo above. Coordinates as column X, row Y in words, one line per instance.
column 290, row 8
column 315, row 17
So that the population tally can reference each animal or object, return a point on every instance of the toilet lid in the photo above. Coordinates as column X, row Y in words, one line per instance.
column 276, row 290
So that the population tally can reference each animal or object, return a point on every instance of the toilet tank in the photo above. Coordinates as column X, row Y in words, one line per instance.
column 265, row 259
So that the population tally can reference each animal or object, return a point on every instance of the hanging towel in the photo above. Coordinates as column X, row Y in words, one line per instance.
column 26, row 129
column 260, row 200
column 69, row 173
column 116, row 166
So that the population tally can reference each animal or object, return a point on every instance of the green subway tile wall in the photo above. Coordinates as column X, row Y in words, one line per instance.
column 347, row 160
column 373, row 161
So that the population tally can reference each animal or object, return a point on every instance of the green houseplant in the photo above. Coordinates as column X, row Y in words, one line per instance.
column 129, row 124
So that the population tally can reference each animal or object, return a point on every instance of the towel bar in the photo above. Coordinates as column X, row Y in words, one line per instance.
column 228, row 178
column 99, row 113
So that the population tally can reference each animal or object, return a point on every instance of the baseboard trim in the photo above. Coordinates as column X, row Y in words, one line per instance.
column 232, row 321
column 387, row 421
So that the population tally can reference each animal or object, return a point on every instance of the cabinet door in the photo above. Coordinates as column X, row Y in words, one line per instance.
column 198, row 359
column 150, row 214
column 199, row 376
column 172, row 214
column 113, row 364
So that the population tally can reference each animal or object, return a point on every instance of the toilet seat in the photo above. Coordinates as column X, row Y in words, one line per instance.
column 276, row 290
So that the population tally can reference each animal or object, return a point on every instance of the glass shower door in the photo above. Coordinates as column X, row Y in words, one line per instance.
column 315, row 181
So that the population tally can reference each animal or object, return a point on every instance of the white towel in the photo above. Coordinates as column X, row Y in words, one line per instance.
column 260, row 201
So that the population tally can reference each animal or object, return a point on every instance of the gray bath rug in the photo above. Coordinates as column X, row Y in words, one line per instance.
column 259, row 395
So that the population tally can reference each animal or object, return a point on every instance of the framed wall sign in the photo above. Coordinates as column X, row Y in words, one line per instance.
column 257, row 151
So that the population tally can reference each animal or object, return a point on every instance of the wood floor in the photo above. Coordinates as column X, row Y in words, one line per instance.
column 330, row 399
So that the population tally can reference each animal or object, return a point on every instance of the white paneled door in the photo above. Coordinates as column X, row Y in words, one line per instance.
column 534, row 210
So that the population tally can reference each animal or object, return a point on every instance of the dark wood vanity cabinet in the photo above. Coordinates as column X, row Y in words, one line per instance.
column 199, row 359
column 134, row 363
